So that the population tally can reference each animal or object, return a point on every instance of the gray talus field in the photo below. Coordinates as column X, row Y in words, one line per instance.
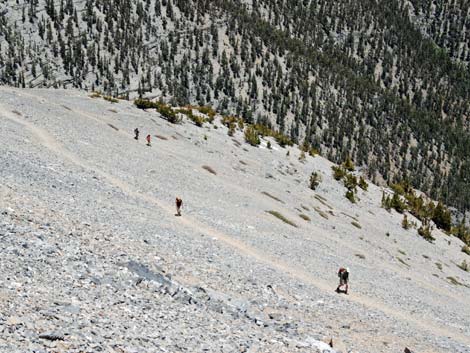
column 94, row 259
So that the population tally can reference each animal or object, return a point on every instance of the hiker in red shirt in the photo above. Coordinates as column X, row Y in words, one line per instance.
column 148, row 140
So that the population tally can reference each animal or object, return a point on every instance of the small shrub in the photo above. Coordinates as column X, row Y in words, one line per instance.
column 315, row 179
column 338, row 172
column 95, row 95
column 167, row 112
column 252, row 136
column 405, row 223
column 362, row 257
column 350, row 182
column 466, row 249
column 269, row 145
column 209, row 169
column 282, row 218
column 207, row 111
column 363, row 184
column 110, row 99
column 302, row 157
column 398, row 204
column 464, row 266
column 439, row 266
column 442, row 218
column 355, row 224
column 348, row 164
column 144, row 104
column 305, row 217
column 350, row 196
column 425, row 232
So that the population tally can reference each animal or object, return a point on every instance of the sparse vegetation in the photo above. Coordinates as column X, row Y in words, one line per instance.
column 272, row 196
column 362, row 257
column 464, row 266
column 338, row 172
column 439, row 266
column 453, row 281
column 363, row 184
column 425, row 232
column 282, row 218
column 405, row 223
column 348, row 164
column 252, row 136
column 402, row 261
column 305, row 217
column 357, row 225
column 315, row 180
column 321, row 213
column 350, row 196
column 110, row 99
column 466, row 249
column 209, row 169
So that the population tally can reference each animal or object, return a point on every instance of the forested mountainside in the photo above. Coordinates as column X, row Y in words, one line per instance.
column 385, row 82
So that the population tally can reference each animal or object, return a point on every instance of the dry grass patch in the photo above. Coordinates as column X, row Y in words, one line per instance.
column 305, row 207
column 209, row 169
column 282, row 218
column 453, row 281
column 161, row 137
column 321, row 213
column 65, row 107
column 322, row 200
column 305, row 217
column 362, row 257
column 439, row 266
column 271, row 196
column 357, row 225
column 113, row 111
column 242, row 162
column 402, row 261
column 113, row 127
column 17, row 112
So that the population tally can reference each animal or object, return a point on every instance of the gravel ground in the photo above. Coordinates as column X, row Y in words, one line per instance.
column 93, row 258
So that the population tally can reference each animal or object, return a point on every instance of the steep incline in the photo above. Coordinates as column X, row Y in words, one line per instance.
column 88, row 211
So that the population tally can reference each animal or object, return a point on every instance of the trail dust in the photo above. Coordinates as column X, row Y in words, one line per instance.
column 48, row 141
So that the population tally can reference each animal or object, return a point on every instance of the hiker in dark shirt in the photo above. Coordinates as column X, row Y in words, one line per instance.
column 179, row 204
column 343, row 275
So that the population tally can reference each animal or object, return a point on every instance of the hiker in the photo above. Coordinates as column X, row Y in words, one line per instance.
column 343, row 274
column 148, row 140
column 136, row 132
column 179, row 204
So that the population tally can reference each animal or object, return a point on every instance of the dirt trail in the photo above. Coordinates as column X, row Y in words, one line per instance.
column 48, row 141
column 272, row 204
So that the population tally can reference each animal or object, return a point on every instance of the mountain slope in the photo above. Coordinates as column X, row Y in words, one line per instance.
column 384, row 82
column 88, row 211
